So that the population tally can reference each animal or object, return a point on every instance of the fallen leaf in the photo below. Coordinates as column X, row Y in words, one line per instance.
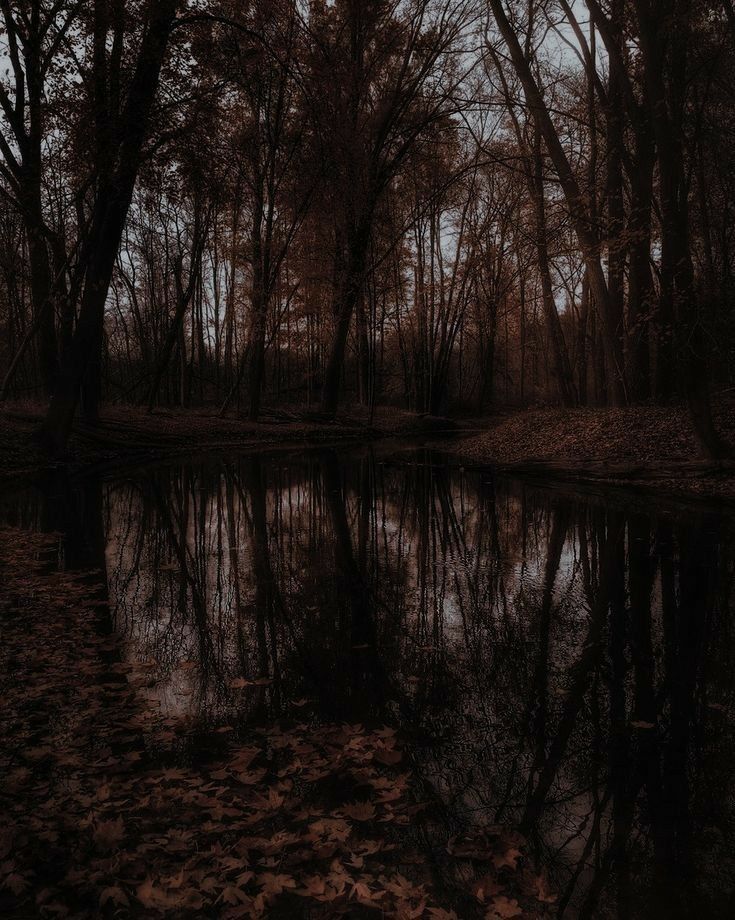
column 239, row 683
column 387, row 756
column 233, row 895
column 543, row 893
column 275, row 884
column 486, row 887
column 507, row 859
column 107, row 834
column 504, row 907
column 359, row 811
column 115, row 894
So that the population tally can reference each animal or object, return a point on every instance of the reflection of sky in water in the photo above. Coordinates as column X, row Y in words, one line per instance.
column 442, row 551
column 432, row 597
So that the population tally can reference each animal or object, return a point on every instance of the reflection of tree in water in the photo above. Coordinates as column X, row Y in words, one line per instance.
column 559, row 664
column 585, row 721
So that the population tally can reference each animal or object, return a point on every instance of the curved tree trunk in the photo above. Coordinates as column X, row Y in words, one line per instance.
column 583, row 225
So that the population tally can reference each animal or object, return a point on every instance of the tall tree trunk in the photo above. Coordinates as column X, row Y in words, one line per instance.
column 349, row 293
column 560, row 355
column 640, row 289
column 363, row 353
column 661, row 30
column 582, row 334
column 111, row 211
column 259, row 306
column 615, row 203
column 585, row 230
column 41, row 298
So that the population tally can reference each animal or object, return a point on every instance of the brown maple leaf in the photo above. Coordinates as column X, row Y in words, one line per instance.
column 275, row 884
column 115, row 894
column 314, row 886
column 107, row 834
column 359, row 811
column 542, row 890
column 486, row 887
column 504, row 907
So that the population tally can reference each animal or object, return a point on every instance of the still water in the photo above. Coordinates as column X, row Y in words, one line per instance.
column 556, row 661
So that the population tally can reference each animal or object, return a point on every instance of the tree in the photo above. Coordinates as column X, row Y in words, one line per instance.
column 665, row 35
column 34, row 36
column 380, row 74
column 583, row 224
column 120, row 123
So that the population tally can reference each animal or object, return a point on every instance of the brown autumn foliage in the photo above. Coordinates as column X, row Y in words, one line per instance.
column 110, row 810
column 215, row 204
column 644, row 445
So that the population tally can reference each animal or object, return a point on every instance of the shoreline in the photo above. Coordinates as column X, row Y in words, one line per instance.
column 130, row 436
column 647, row 449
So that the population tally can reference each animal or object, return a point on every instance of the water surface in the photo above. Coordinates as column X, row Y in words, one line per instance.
column 557, row 661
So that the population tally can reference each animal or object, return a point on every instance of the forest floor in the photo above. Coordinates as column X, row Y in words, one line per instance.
column 131, row 434
column 646, row 447
column 111, row 809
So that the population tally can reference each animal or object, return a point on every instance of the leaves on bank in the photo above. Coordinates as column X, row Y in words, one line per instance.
column 107, row 813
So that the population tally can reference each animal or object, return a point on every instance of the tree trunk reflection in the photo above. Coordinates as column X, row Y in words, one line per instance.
column 555, row 661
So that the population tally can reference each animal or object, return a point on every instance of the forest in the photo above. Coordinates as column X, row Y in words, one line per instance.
column 367, row 459
column 444, row 206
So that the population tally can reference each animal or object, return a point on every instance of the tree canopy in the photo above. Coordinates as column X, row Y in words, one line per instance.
column 445, row 205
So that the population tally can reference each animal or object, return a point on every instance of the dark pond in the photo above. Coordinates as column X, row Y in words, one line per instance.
column 557, row 661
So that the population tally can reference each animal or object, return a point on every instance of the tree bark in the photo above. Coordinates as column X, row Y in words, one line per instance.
column 111, row 211
column 640, row 289
column 259, row 306
column 585, row 230
column 615, row 204
column 349, row 294
column 684, row 345
column 560, row 355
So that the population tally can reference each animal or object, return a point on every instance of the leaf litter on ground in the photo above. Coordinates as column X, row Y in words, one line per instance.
column 106, row 816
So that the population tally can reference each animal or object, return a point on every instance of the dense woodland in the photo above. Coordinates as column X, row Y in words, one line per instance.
column 443, row 205
column 254, row 664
